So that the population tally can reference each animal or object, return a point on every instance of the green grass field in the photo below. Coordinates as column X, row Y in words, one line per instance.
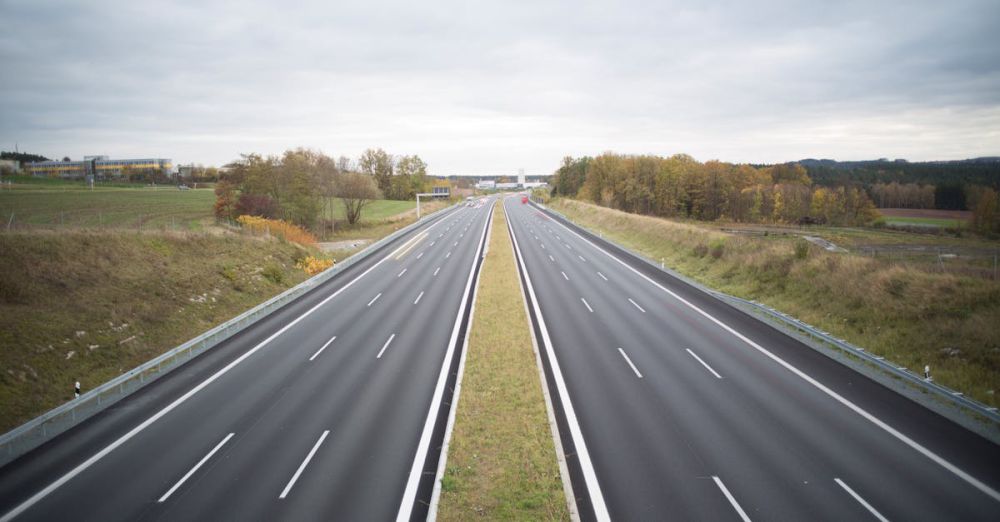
column 925, row 222
column 57, row 203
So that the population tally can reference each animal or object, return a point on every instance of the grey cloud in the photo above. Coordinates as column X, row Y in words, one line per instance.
column 474, row 86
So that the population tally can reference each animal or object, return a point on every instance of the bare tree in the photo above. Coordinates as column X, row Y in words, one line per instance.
column 356, row 191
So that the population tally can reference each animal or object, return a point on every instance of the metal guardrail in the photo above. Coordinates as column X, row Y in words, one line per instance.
column 37, row 431
column 948, row 394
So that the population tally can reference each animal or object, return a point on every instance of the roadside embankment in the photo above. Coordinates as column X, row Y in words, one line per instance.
column 912, row 316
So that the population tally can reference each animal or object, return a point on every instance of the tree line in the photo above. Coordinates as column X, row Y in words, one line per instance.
column 301, row 186
column 680, row 186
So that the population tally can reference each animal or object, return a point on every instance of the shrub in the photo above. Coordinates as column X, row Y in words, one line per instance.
column 700, row 250
column 279, row 228
column 273, row 273
column 314, row 265
column 801, row 249
column 718, row 248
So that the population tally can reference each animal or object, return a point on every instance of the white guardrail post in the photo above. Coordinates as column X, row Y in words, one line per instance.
column 37, row 431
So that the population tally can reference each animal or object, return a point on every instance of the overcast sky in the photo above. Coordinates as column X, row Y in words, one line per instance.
column 492, row 87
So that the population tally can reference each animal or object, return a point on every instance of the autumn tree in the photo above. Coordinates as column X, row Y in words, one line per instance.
column 356, row 190
column 378, row 164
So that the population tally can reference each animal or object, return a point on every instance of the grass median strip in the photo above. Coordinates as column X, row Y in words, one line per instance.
column 502, row 460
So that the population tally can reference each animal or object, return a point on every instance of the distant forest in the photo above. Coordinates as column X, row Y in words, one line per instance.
column 23, row 157
column 806, row 192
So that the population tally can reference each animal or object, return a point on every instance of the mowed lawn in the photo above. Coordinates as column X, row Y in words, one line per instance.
column 926, row 217
column 48, row 205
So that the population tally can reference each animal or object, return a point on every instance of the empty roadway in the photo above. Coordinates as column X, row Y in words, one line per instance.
column 691, row 410
column 314, row 413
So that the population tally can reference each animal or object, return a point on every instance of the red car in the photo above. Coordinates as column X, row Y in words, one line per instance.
column 524, row 199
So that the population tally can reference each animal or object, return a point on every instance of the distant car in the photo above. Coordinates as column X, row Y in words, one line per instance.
column 524, row 199
column 183, row 187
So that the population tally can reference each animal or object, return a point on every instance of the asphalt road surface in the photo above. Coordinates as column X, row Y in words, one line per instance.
column 325, row 410
column 675, row 406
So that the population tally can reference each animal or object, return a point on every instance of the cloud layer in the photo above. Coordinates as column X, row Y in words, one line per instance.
column 488, row 87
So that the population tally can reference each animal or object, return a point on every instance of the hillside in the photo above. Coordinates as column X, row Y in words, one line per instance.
column 88, row 305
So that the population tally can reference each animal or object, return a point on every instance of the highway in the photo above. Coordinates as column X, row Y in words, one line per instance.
column 673, row 405
column 331, row 408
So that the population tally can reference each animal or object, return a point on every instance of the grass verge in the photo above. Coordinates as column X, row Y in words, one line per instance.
column 502, row 461
column 910, row 315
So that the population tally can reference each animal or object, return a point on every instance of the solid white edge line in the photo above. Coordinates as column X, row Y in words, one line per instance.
column 418, row 298
column 295, row 477
column 861, row 500
column 629, row 361
column 453, row 410
column 582, row 453
column 574, row 511
column 416, row 470
column 384, row 346
column 180, row 400
column 412, row 243
column 375, row 299
column 641, row 309
column 955, row 470
column 195, row 468
column 703, row 363
column 566, row 277
column 315, row 355
column 731, row 499
column 585, row 303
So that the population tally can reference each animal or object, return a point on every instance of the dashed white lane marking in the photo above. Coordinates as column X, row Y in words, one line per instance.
column 602, row 276
column 582, row 259
column 636, row 305
column 552, row 258
column 195, row 468
column 703, row 363
column 446, row 256
column 731, row 499
column 302, row 466
column 321, row 348
column 543, row 245
column 587, row 305
column 436, row 270
column 420, row 255
column 861, row 501
column 566, row 277
column 629, row 361
column 384, row 346
column 403, row 272
column 375, row 299
column 418, row 298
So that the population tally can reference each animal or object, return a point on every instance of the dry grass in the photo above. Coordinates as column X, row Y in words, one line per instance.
column 911, row 316
column 502, row 462
column 89, row 304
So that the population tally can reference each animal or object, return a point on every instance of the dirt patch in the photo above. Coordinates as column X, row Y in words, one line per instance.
column 350, row 244
column 962, row 215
